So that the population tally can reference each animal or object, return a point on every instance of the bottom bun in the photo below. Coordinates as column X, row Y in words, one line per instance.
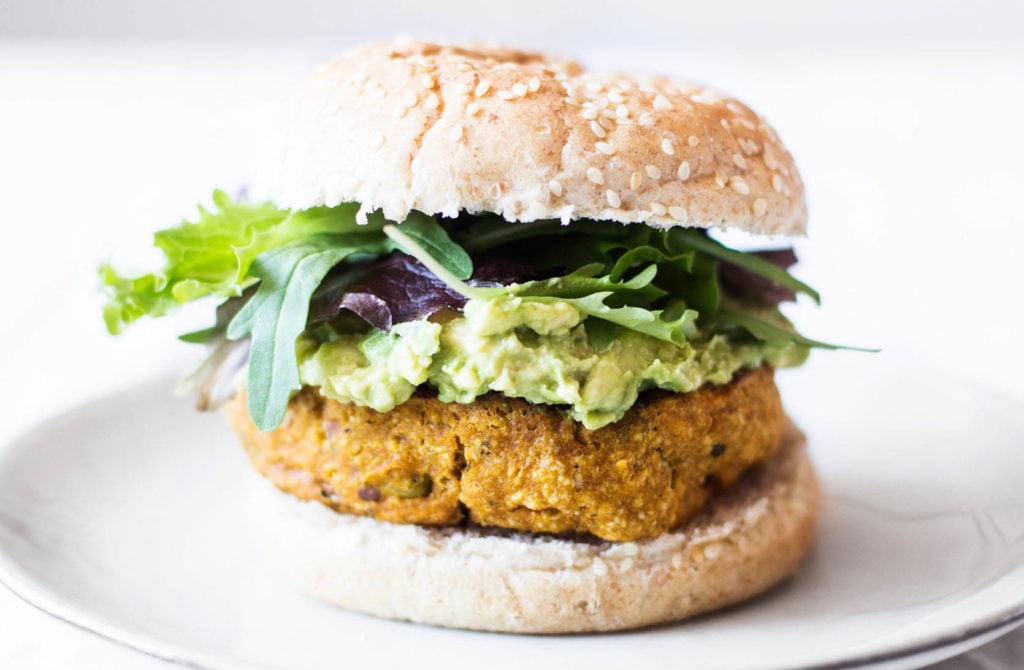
column 745, row 540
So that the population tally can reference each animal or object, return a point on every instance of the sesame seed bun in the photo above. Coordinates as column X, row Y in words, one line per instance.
column 746, row 540
column 408, row 125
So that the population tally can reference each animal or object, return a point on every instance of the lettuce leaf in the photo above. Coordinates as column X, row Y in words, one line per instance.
column 212, row 256
column 276, row 315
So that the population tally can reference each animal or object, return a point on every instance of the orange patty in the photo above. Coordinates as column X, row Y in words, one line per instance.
column 505, row 462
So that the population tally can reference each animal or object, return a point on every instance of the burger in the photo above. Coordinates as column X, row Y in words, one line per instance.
column 478, row 337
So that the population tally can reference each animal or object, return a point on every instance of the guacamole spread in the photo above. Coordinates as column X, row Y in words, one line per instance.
column 536, row 351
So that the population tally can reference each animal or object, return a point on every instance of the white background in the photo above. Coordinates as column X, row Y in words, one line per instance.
column 116, row 118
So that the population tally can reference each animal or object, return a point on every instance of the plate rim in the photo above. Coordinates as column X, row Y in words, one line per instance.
column 34, row 593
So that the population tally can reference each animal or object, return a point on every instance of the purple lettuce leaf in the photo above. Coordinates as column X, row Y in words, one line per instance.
column 753, row 288
column 398, row 288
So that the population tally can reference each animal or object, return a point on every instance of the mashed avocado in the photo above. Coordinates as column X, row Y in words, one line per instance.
column 525, row 349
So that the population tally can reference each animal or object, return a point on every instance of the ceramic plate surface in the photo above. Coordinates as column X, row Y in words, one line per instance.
column 128, row 517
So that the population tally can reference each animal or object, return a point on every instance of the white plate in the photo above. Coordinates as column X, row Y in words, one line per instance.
column 127, row 517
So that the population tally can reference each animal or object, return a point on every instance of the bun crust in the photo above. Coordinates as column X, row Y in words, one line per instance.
column 746, row 540
column 408, row 125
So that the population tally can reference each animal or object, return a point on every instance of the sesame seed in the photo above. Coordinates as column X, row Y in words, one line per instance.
column 589, row 111
column 495, row 190
column 684, row 171
column 653, row 171
column 677, row 560
column 693, row 140
column 505, row 95
column 777, row 183
column 463, row 67
column 597, row 129
column 519, row 89
column 760, row 207
column 534, row 84
column 555, row 187
column 433, row 101
column 606, row 123
column 543, row 129
column 428, row 81
column 538, row 210
column 462, row 88
column 615, row 95
column 456, row 134
column 400, row 111
column 605, row 147
column 593, row 86
column 482, row 88
column 613, row 198
column 725, row 124
column 662, row 104
column 646, row 120
column 626, row 564
column 739, row 161
column 712, row 550
column 739, row 185
column 746, row 123
column 473, row 108
column 608, row 114
column 622, row 112
column 594, row 175
column 634, row 180
column 600, row 569
column 630, row 549
column 678, row 213
column 667, row 147
column 769, row 160
column 573, row 102
column 658, row 209
column 409, row 100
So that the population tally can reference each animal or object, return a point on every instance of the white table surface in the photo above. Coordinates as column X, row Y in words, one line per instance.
column 911, row 159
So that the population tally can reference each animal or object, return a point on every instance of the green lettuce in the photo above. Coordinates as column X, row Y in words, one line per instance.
column 212, row 256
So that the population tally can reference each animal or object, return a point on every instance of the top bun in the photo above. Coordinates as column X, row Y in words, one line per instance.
column 408, row 125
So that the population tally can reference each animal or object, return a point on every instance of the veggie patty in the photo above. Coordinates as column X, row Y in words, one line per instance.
column 505, row 462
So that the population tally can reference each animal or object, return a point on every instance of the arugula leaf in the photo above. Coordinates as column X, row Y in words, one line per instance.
column 773, row 334
column 213, row 255
column 749, row 262
column 428, row 233
column 410, row 245
column 276, row 315
column 650, row 322
column 585, row 281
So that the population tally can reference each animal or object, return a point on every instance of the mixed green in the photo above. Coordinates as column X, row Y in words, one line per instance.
column 368, row 312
